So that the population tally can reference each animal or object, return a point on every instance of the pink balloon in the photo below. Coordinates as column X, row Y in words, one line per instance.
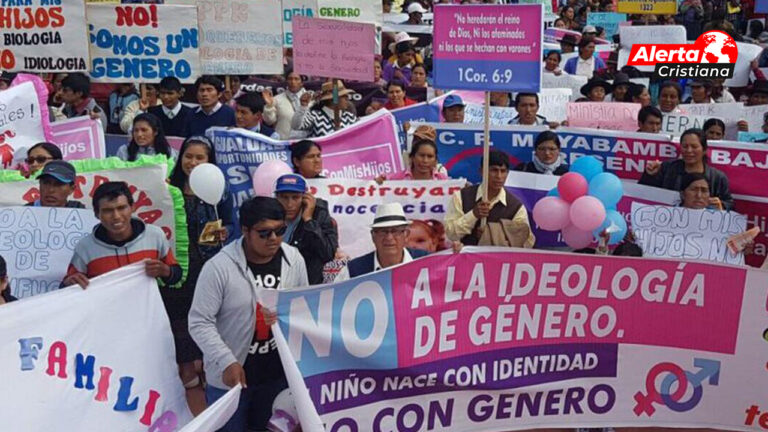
column 576, row 238
column 266, row 175
column 551, row 213
column 572, row 186
column 587, row 213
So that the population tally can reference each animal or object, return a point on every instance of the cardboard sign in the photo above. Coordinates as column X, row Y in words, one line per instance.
column 159, row 41
column 648, row 7
column 294, row 8
column 729, row 113
column 79, row 138
column 657, row 34
column 603, row 115
column 37, row 244
column 573, row 82
column 609, row 21
column 483, row 47
column 350, row 10
column 515, row 329
column 676, row 124
column 61, row 352
column 747, row 53
column 678, row 232
column 240, row 38
column 753, row 137
column 21, row 122
column 43, row 36
column 333, row 48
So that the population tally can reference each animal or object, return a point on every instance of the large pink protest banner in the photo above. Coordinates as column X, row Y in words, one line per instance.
column 500, row 340
column 79, row 138
column 745, row 164
column 604, row 115
column 333, row 48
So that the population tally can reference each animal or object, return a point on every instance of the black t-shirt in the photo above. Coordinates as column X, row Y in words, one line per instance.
column 263, row 361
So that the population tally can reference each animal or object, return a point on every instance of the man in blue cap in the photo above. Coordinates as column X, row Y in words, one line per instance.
column 453, row 109
column 309, row 226
column 57, row 183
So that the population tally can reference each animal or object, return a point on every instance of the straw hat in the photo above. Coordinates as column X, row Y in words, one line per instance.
column 326, row 91
column 401, row 37
column 389, row 215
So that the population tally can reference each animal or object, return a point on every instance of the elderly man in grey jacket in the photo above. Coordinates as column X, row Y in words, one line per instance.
column 228, row 324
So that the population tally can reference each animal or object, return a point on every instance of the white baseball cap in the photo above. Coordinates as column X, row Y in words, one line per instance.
column 416, row 7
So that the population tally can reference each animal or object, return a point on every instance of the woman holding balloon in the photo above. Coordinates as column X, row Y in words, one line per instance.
column 546, row 156
column 209, row 225
column 583, row 206
column 693, row 159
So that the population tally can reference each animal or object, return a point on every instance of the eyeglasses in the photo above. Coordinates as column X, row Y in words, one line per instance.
column 38, row 159
column 267, row 233
column 547, row 149
column 384, row 232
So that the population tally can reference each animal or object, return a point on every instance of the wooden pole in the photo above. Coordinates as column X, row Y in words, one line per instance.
column 336, row 98
column 143, row 91
column 227, row 83
column 486, row 148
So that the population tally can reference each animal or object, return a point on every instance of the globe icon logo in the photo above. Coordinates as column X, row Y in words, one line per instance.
column 717, row 47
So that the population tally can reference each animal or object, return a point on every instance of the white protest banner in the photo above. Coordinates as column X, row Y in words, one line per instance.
column 350, row 10
column 333, row 48
column 678, row 232
column 143, row 43
column 44, row 36
column 603, row 115
column 155, row 201
column 553, row 103
column 497, row 340
column 754, row 116
column 729, row 113
column 37, row 244
column 475, row 113
column 747, row 53
column 352, row 204
column 676, row 124
column 79, row 138
column 216, row 416
column 573, row 82
column 664, row 34
column 294, row 8
column 100, row 359
column 22, row 124
column 240, row 37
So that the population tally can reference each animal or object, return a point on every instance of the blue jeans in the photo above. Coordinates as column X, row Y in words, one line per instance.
column 255, row 407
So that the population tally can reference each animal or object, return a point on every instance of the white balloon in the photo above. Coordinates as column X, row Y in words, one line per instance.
column 207, row 183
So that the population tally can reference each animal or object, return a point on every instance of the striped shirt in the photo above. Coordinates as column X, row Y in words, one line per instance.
column 93, row 256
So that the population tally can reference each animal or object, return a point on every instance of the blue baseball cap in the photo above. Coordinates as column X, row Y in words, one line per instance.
column 291, row 183
column 452, row 100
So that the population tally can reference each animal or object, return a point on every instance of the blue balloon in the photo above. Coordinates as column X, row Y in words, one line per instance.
column 588, row 166
column 607, row 188
column 554, row 192
column 615, row 219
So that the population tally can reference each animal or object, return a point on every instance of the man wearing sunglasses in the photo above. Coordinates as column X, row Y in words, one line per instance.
column 57, row 183
column 389, row 233
column 231, row 328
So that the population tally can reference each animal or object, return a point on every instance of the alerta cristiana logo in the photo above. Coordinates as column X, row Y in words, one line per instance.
column 713, row 55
